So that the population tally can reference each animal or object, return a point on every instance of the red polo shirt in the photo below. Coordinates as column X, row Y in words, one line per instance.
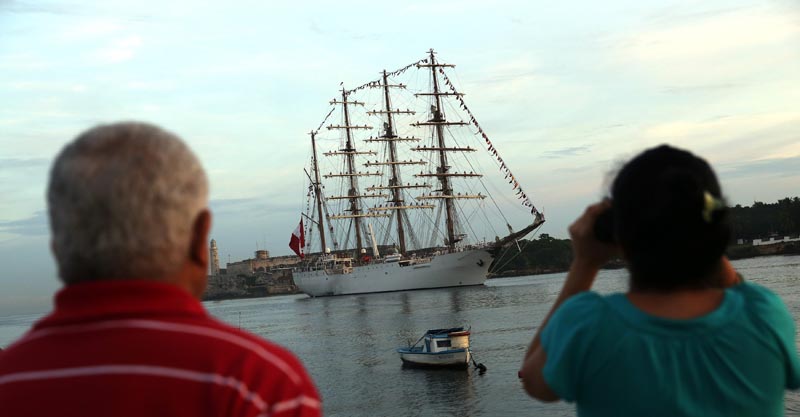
column 145, row 348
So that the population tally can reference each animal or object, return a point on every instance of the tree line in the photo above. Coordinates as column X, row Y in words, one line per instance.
column 547, row 254
column 533, row 256
column 766, row 219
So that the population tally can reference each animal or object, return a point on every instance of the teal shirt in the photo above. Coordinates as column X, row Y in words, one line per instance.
column 613, row 359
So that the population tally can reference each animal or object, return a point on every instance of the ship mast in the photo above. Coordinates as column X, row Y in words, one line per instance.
column 443, row 173
column 349, row 152
column 398, row 204
column 389, row 136
column 395, row 180
column 318, row 192
column 355, row 206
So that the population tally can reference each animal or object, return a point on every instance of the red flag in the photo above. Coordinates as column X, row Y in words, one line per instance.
column 298, row 241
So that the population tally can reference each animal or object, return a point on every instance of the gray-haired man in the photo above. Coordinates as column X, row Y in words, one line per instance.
column 128, row 336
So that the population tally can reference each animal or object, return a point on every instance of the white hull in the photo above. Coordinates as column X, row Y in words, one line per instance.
column 449, row 270
column 437, row 359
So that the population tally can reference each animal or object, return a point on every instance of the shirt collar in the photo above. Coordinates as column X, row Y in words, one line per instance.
column 94, row 300
column 731, row 304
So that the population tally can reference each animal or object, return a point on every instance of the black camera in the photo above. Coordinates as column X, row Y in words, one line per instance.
column 604, row 226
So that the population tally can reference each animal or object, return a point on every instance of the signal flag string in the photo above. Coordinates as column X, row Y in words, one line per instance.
column 491, row 148
column 521, row 195
column 377, row 83
column 325, row 119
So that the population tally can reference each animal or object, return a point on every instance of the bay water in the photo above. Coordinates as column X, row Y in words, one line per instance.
column 348, row 343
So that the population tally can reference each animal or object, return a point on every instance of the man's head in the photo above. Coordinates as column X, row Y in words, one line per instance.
column 128, row 201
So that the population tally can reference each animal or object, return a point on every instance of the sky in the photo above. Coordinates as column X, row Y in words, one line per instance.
column 566, row 90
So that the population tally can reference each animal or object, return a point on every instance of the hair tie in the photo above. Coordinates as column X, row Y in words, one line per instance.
column 710, row 205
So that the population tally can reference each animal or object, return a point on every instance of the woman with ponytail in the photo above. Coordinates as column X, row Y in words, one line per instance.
column 689, row 337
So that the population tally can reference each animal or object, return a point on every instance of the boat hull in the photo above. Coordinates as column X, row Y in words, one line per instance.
column 457, row 269
column 450, row 359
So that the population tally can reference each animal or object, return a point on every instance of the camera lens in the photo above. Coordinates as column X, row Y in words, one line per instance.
column 604, row 227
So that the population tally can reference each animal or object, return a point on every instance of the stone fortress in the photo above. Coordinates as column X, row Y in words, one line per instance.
column 259, row 276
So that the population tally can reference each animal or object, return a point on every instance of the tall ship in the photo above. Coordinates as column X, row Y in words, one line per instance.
column 398, row 194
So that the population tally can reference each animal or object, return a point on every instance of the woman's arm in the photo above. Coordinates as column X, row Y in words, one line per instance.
column 588, row 256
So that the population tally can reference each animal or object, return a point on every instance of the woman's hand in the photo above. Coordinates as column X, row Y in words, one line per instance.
column 588, row 252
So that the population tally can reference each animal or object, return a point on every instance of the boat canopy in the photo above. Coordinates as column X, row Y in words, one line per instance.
column 444, row 332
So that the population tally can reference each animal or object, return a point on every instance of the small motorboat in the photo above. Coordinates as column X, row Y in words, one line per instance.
column 439, row 348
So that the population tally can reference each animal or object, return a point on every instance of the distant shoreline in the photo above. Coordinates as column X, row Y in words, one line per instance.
column 750, row 251
column 734, row 252
column 615, row 264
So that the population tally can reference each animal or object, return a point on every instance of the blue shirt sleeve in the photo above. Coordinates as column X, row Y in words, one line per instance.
column 774, row 313
column 567, row 340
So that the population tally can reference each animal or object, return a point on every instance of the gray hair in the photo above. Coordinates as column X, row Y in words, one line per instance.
column 122, row 201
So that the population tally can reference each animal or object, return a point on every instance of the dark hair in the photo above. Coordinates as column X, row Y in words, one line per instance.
column 672, row 233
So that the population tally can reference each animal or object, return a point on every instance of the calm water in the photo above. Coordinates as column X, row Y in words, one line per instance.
column 348, row 342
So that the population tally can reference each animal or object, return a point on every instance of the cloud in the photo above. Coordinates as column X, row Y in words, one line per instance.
column 708, row 48
column 238, row 206
column 150, row 85
column 240, row 65
column 729, row 138
column 343, row 33
column 509, row 75
column 701, row 88
column 713, row 35
column 23, row 61
column 45, row 87
column 678, row 14
column 314, row 27
column 21, row 163
column 121, row 49
column 443, row 8
column 231, row 203
column 773, row 167
column 36, row 225
column 567, row 152
column 73, row 8
column 92, row 29
column 17, row 7
column 516, row 68
column 492, row 87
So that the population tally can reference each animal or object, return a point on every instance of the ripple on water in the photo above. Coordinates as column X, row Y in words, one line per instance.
column 348, row 343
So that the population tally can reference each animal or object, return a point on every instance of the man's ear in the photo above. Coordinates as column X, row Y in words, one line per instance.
column 198, row 249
